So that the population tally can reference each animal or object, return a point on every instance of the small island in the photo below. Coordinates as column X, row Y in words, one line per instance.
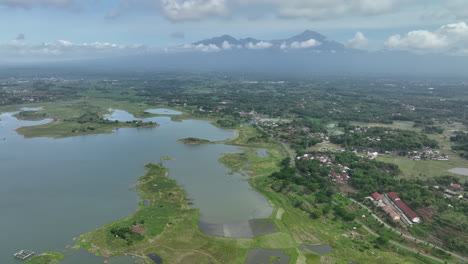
column 194, row 141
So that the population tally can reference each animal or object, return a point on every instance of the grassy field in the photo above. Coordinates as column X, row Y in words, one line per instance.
column 69, row 110
column 426, row 168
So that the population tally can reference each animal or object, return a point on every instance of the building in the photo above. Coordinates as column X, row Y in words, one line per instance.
column 377, row 196
column 404, row 207
column 391, row 213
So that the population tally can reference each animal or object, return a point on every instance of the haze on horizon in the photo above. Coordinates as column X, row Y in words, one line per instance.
column 430, row 36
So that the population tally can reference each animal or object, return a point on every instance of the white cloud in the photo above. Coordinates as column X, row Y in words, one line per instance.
column 448, row 39
column 359, row 41
column 305, row 44
column 199, row 47
column 284, row 46
column 182, row 10
column 227, row 46
column 259, row 45
column 324, row 9
column 63, row 49
column 33, row 3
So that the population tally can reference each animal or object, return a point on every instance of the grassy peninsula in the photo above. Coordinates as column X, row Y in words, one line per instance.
column 80, row 117
column 46, row 258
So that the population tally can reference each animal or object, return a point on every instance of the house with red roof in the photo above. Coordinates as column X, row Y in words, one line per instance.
column 377, row 196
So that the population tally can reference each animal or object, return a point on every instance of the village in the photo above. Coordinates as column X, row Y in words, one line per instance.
column 338, row 172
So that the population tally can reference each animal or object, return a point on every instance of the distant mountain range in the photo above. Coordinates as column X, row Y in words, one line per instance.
column 306, row 54
column 306, row 41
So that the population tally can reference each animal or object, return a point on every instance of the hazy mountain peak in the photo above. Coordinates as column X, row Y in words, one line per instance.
column 218, row 41
column 307, row 35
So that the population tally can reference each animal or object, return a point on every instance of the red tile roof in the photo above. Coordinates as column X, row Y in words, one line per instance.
column 377, row 196
column 393, row 196
column 405, row 208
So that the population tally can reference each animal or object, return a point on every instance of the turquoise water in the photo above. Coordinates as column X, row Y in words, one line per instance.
column 56, row 189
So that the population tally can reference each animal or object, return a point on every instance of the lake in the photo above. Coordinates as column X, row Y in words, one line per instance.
column 56, row 189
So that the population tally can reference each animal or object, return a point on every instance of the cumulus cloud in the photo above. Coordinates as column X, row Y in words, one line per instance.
column 323, row 9
column 448, row 39
column 199, row 47
column 305, row 44
column 34, row 3
column 227, row 46
column 359, row 41
column 63, row 49
column 259, row 45
column 182, row 10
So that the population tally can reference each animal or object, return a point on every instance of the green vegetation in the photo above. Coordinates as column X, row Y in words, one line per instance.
column 46, row 258
column 194, row 141
column 74, row 118
column 423, row 169
column 31, row 115
column 371, row 113
column 461, row 143
column 382, row 139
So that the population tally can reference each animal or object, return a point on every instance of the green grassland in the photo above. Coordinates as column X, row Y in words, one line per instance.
column 30, row 115
column 66, row 114
column 60, row 129
column 76, row 108
column 46, row 258
column 425, row 168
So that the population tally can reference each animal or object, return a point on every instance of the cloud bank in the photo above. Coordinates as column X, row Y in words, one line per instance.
column 359, row 41
column 325, row 9
column 449, row 39
column 63, row 49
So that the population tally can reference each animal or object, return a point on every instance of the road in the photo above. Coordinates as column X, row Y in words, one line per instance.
column 408, row 236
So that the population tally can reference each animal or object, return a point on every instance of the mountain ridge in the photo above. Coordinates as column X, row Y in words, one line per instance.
column 307, row 40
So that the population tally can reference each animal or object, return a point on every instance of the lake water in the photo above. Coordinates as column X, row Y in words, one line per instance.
column 53, row 190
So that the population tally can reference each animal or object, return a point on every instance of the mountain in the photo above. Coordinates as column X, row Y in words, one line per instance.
column 305, row 55
column 306, row 41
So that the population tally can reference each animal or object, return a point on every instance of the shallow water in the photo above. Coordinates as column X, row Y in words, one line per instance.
column 55, row 189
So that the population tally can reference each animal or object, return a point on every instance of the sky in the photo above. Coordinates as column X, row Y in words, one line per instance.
column 62, row 29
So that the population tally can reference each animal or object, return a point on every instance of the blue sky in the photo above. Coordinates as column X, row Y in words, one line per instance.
column 124, row 26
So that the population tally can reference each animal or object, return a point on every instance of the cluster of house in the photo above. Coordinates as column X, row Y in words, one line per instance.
column 427, row 154
column 338, row 172
column 396, row 208
column 409, row 107
column 324, row 137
